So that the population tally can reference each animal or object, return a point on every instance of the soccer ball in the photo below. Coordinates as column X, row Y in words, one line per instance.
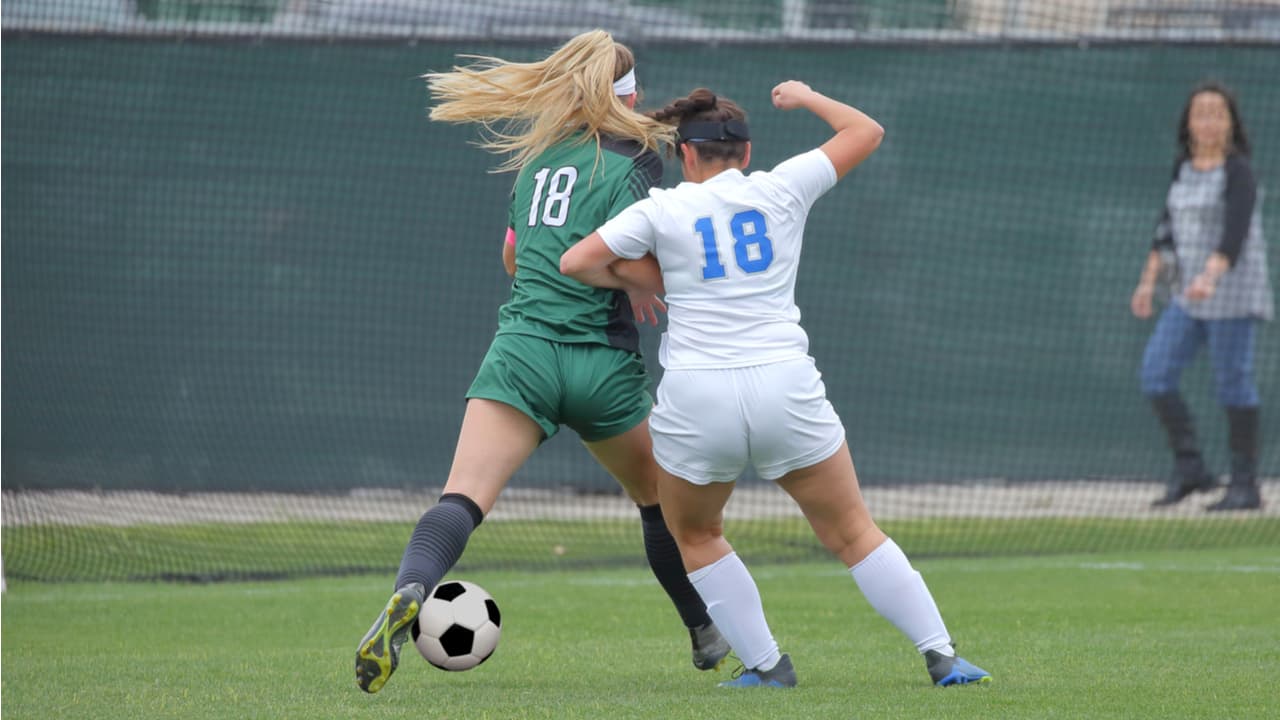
column 458, row 626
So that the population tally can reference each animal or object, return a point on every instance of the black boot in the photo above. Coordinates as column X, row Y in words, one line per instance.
column 1189, row 472
column 1242, row 493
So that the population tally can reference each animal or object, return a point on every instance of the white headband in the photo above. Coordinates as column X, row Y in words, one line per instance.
column 626, row 84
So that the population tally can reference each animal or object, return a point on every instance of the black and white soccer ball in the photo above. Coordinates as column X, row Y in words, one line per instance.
column 458, row 626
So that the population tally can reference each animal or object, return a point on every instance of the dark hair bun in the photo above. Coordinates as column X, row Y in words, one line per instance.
column 701, row 100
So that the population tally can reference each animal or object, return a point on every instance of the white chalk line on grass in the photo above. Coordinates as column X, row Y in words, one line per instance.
column 770, row 572
column 1177, row 568
column 1021, row 564
column 33, row 593
column 30, row 592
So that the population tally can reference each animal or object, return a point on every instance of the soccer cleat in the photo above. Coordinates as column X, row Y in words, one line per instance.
column 379, row 651
column 953, row 670
column 783, row 675
column 709, row 647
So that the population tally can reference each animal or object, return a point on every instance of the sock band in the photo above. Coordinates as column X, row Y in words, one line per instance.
column 477, row 515
column 706, row 570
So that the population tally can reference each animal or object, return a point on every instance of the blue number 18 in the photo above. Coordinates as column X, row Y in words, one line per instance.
column 748, row 228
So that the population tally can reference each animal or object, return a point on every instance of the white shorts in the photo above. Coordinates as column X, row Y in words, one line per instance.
column 708, row 424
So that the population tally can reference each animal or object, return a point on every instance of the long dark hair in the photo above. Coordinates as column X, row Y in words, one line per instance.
column 702, row 104
column 1239, row 138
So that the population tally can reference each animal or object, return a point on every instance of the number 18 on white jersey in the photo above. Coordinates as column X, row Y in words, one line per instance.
column 729, row 248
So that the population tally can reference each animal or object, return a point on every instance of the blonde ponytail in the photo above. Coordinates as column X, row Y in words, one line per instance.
column 525, row 108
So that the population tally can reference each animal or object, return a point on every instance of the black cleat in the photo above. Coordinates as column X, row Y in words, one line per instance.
column 709, row 647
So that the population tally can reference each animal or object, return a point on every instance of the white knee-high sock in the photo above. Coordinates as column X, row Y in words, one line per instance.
column 733, row 602
column 897, row 592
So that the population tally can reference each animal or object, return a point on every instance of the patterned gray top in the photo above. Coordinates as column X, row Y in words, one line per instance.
column 1218, row 210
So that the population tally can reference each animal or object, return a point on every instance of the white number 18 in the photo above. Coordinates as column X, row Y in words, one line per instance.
column 556, row 210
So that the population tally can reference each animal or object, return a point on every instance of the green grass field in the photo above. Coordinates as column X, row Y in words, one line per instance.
column 1183, row 634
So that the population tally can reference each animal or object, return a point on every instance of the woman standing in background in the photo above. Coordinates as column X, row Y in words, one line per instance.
column 1212, row 227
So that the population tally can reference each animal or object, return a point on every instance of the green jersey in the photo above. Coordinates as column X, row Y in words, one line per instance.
column 560, row 197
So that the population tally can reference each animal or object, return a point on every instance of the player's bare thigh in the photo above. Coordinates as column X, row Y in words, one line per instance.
column 495, row 440
column 629, row 459
column 695, row 515
column 828, row 495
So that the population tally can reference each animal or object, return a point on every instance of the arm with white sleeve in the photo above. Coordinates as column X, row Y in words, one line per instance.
column 624, row 261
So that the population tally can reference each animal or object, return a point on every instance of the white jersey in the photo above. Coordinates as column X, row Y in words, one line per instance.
column 729, row 248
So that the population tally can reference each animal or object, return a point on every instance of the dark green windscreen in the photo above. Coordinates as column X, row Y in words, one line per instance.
column 240, row 265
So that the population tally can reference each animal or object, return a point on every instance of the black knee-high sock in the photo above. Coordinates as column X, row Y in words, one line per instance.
column 438, row 540
column 664, row 560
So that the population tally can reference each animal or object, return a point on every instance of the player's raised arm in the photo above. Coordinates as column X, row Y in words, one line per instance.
column 857, row 135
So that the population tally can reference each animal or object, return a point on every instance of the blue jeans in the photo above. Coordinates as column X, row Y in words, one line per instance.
column 1173, row 346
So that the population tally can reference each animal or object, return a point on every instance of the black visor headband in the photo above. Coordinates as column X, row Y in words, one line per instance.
column 713, row 130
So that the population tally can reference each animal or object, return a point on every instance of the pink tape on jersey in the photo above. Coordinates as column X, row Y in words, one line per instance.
column 511, row 237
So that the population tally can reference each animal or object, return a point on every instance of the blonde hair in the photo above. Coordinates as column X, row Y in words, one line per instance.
column 526, row 108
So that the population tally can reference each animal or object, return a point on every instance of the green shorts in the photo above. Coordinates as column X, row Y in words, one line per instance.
column 598, row 391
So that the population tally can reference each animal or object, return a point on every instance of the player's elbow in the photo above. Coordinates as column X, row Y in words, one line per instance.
column 872, row 135
column 570, row 264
